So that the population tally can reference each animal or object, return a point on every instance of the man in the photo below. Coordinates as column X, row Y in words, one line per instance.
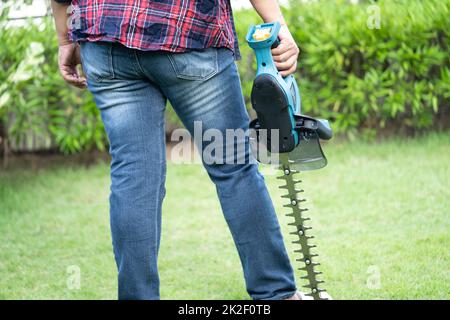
column 138, row 54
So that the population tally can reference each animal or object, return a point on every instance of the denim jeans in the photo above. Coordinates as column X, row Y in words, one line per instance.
column 130, row 88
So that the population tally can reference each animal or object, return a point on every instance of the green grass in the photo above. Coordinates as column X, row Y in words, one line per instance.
column 381, row 205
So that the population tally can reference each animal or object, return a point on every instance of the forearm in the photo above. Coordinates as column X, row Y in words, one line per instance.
column 268, row 10
column 61, row 17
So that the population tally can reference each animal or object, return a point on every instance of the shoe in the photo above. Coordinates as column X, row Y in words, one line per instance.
column 302, row 296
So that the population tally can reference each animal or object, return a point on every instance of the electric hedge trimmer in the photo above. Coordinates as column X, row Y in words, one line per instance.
column 277, row 103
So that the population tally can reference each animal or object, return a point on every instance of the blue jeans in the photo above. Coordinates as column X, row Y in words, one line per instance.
column 130, row 88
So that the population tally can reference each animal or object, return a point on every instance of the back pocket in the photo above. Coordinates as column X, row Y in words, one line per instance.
column 97, row 60
column 195, row 64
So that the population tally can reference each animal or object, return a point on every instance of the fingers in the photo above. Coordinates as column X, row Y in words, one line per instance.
column 289, row 71
column 71, row 76
column 286, row 54
column 285, row 57
column 68, row 58
column 286, row 65
column 284, row 46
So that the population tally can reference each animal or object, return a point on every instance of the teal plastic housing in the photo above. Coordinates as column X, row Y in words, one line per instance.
column 266, row 65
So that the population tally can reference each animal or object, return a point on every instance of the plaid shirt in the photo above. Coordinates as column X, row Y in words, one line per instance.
column 151, row 25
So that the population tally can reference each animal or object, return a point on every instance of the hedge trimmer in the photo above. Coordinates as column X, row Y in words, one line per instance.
column 292, row 137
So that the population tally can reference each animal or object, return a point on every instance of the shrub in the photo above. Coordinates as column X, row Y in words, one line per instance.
column 395, row 77
column 35, row 103
column 363, row 78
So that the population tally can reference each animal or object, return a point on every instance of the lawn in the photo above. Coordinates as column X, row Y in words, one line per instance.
column 380, row 213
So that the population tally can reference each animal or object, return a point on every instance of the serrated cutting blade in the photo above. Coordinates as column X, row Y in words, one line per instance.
column 297, row 213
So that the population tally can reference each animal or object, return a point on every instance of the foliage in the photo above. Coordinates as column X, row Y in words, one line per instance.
column 395, row 78
column 363, row 77
column 34, row 99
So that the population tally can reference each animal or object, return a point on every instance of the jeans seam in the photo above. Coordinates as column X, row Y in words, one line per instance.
column 161, row 178
column 110, row 60
column 136, row 63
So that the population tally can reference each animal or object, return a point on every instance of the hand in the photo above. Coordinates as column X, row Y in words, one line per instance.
column 286, row 54
column 68, row 60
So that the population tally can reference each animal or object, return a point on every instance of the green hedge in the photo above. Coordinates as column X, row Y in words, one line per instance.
column 395, row 78
column 392, row 79
column 35, row 103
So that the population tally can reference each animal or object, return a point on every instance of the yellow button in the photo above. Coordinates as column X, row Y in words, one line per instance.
column 261, row 34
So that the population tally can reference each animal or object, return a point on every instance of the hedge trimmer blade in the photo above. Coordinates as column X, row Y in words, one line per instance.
column 301, row 230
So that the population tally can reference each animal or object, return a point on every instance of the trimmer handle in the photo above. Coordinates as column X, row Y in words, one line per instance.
column 276, row 43
column 263, row 38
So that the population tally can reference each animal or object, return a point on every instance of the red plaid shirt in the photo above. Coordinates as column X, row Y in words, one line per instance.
column 168, row 25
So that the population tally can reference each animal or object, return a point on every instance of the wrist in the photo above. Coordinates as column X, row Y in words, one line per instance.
column 64, row 40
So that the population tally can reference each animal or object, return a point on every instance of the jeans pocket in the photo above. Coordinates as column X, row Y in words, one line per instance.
column 97, row 60
column 195, row 64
